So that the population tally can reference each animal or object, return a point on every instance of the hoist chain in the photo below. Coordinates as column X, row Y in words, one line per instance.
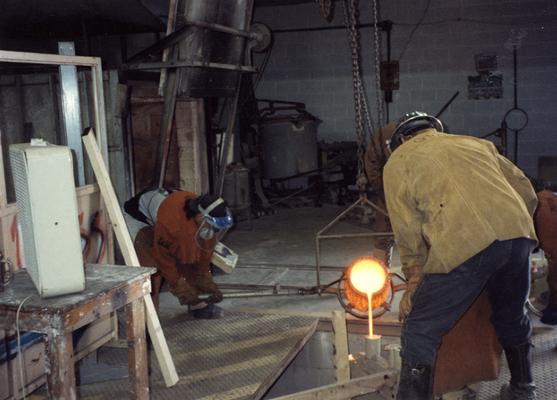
column 376, row 42
column 325, row 8
column 360, row 101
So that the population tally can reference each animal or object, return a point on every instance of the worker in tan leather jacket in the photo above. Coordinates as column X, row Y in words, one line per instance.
column 186, row 230
column 375, row 158
column 462, row 218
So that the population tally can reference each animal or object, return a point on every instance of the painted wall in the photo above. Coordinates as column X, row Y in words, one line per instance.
column 315, row 67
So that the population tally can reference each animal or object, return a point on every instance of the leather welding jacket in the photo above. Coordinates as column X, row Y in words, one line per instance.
column 450, row 196
column 175, row 249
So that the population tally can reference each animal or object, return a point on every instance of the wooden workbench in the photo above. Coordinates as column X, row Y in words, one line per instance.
column 108, row 288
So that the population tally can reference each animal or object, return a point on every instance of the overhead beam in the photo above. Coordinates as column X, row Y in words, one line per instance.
column 180, row 33
column 188, row 63
column 49, row 59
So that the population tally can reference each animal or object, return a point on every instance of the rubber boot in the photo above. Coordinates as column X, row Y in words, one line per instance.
column 415, row 383
column 522, row 385
column 211, row 311
column 549, row 315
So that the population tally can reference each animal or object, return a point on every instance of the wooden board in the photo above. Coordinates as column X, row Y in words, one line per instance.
column 130, row 257
column 341, row 347
column 346, row 390
column 146, row 121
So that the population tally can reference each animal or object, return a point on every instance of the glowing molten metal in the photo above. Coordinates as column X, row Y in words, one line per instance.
column 368, row 276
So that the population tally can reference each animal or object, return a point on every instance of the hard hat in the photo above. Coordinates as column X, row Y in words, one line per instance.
column 411, row 123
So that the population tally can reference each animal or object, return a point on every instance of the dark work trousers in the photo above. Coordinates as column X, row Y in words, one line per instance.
column 441, row 299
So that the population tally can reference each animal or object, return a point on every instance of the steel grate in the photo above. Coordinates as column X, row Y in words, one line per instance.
column 544, row 367
column 234, row 358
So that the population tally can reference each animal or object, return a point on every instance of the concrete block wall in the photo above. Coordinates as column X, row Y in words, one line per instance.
column 315, row 67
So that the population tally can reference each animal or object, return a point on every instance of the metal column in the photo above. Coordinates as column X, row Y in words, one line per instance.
column 71, row 110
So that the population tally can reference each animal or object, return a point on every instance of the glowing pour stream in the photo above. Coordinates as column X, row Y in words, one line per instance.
column 368, row 276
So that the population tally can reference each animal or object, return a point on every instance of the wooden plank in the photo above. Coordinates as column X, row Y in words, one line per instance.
column 94, row 342
column 3, row 193
column 100, row 110
column 61, row 378
column 44, row 58
column 137, row 351
column 102, row 138
column 342, row 372
column 130, row 257
column 86, row 190
column 347, row 390
column 105, row 303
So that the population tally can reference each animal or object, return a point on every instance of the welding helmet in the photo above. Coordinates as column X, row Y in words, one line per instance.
column 411, row 123
column 216, row 219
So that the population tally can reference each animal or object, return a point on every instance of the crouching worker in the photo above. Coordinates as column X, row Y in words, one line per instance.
column 462, row 218
column 186, row 229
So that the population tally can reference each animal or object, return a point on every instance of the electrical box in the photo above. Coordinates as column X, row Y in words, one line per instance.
column 48, row 217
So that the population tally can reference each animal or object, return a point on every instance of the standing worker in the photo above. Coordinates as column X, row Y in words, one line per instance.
column 186, row 229
column 462, row 218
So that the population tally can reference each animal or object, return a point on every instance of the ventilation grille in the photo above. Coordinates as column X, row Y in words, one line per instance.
column 25, row 216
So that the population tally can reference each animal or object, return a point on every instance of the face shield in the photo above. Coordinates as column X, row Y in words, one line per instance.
column 212, row 229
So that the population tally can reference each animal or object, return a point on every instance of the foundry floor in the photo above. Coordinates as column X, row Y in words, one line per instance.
column 286, row 241
column 280, row 249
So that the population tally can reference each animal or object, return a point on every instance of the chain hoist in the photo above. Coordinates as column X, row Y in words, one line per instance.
column 351, row 21
column 360, row 101
column 326, row 8
column 377, row 48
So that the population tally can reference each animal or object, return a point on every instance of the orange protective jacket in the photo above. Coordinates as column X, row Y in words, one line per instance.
column 175, row 249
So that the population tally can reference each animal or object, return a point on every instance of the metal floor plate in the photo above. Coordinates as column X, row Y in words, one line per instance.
column 234, row 358
column 544, row 358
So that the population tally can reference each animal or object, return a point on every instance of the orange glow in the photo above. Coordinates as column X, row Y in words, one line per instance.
column 367, row 276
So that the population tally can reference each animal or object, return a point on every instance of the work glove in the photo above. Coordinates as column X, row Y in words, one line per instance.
column 205, row 284
column 405, row 305
column 216, row 297
column 186, row 293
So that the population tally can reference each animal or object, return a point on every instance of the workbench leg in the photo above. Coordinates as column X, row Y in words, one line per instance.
column 61, row 376
column 156, row 284
column 137, row 350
